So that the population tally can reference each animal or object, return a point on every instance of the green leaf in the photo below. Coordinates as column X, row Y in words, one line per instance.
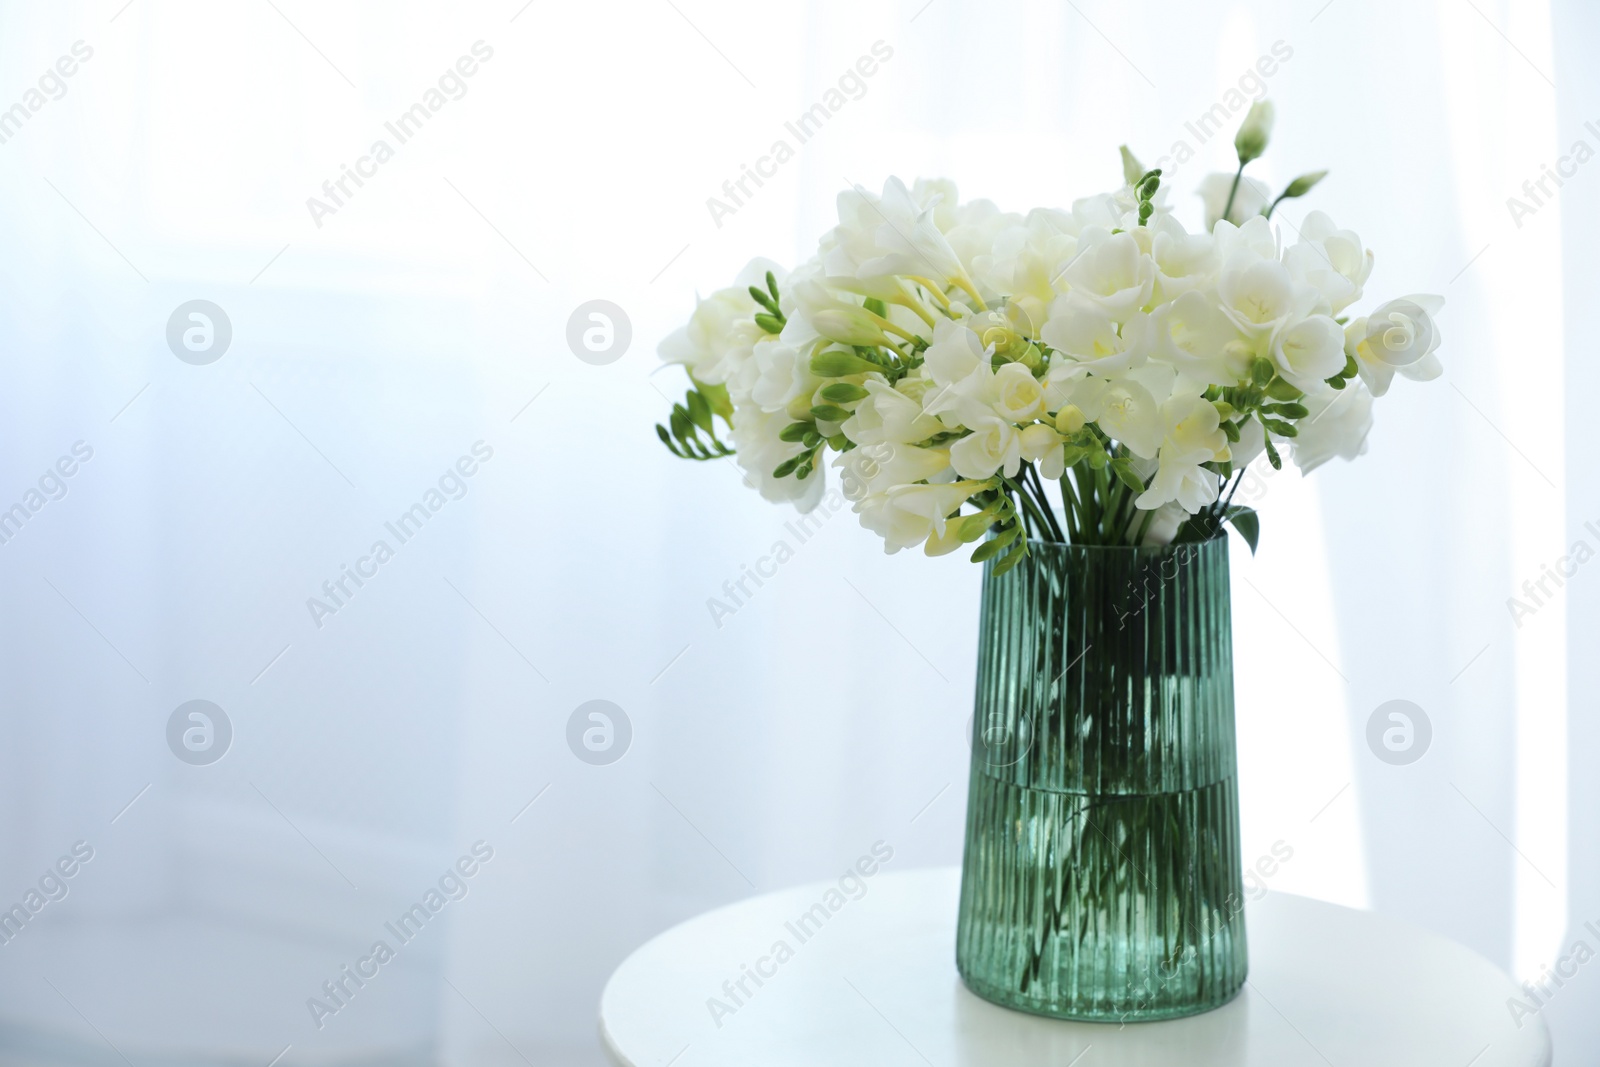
column 988, row 549
column 829, row 413
column 699, row 411
column 993, row 546
column 973, row 526
column 1288, row 411
column 795, row 431
column 680, row 422
column 1272, row 455
column 772, row 285
column 1230, row 430
column 843, row 392
column 717, row 397
column 1247, row 522
column 1075, row 454
column 1282, row 390
column 1261, row 371
column 768, row 323
column 1281, row 428
column 876, row 306
column 1123, row 469
column 1336, row 381
column 786, row 468
column 837, row 363
column 1011, row 559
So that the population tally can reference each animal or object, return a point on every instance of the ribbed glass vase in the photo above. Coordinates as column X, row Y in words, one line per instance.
column 1102, row 877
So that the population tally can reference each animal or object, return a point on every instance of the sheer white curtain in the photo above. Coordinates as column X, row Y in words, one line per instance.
column 772, row 746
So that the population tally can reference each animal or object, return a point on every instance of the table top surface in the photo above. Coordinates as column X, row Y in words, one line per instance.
column 877, row 985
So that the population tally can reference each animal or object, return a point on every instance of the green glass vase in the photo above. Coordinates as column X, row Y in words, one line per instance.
column 1102, row 879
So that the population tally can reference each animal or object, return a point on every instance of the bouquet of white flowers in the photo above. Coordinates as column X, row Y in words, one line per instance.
column 954, row 356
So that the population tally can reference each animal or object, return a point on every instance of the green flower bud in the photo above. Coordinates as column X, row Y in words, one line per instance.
column 1252, row 138
column 1304, row 184
column 837, row 364
column 849, row 326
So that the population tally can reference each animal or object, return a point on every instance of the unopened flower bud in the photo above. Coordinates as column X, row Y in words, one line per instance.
column 1252, row 138
column 1069, row 420
column 849, row 326
column 1132, row 169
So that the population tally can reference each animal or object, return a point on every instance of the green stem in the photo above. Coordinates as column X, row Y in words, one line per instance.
column 1144, row 527
column 1070, row 506
column 1234, row 191
column 1043, row 500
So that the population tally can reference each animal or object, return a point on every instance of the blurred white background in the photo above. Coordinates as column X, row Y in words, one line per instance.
column 428, row 313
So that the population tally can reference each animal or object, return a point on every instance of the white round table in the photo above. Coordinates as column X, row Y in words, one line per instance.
column 876, row 984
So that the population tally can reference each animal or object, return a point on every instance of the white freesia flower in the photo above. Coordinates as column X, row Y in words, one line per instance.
column 1019, row 398
column 1251, row 200
column 760, row 451
column 1128, row 412
column 1184, row 261
column 946, row 351
column 1192, row 436
column 1251, row 443
column 968, row 402
column 1337, row 425
column 1193, row 335
column 1186, row 484
column 954, row 352
column 1309, row 351
column 1024, row 261
column 1086, row 331
column 993, row 445
column 876, row 469
column 1113, row 273
column 1042, row 445
column 1255, row 238
column 1331, row 260
column 776, row 377
column 1400, row 337
column 909, row 514
column 1259, row 297
column 891, row 234
column 888, row 415
column 722, row 329
column 1164, row 524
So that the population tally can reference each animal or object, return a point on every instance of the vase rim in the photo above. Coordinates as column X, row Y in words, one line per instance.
column 1053, row 546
